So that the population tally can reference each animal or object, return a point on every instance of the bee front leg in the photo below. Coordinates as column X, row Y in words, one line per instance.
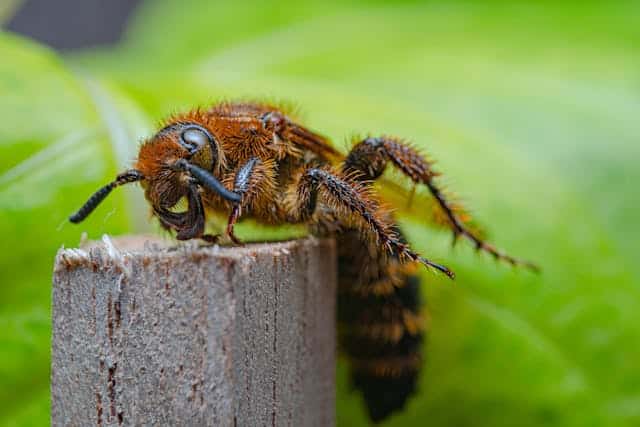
column 253, row 180
column 354, row 204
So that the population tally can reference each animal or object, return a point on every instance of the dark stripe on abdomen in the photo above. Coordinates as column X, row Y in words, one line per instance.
column 380, row 328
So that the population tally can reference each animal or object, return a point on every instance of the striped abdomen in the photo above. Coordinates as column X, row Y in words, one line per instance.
column 380, row 324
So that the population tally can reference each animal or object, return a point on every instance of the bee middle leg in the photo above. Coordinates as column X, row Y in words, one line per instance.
column 353, row 203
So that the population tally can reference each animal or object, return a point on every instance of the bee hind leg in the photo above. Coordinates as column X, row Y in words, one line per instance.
column 369, row 158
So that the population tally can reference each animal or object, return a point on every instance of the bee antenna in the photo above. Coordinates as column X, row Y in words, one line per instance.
column 97, row 197
column 207, row 180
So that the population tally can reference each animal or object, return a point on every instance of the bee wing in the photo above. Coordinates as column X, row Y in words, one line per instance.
column 418, row 205
column 309, row 140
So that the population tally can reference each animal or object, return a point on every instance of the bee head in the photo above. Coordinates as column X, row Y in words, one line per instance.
column 178, row 142
column 182, row 157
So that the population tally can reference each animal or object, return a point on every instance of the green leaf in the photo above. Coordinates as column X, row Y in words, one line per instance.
column 59, row 141
column 536, row 146
column 531, row 110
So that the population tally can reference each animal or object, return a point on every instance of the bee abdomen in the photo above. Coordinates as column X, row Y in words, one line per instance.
column 380, row 324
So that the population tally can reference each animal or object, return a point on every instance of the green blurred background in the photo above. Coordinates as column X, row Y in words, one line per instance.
column 532, row 109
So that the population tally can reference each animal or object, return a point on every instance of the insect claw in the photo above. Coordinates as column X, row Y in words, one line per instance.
column 233, row 217
column 235, row 240
column 210, row 239
column 532, row 267
column 438, row 267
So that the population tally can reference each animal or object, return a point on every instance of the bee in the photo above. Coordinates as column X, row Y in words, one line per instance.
column 254, row 160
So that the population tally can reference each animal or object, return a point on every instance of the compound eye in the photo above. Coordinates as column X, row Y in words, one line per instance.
column 194, row 139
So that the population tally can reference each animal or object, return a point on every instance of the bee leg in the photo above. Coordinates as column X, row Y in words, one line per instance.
column 253, row 179
column 233, row 218
column 369, row 158
column 353, row 203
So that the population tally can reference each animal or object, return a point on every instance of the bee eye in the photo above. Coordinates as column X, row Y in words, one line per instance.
column 194, row 139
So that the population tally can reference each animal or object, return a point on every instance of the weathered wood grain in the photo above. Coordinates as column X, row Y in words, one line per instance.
column 149, row 335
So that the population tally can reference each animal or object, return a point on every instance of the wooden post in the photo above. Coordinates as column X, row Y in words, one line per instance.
column 146, row 335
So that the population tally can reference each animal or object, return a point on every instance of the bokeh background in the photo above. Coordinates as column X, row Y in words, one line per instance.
column 532, row 109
